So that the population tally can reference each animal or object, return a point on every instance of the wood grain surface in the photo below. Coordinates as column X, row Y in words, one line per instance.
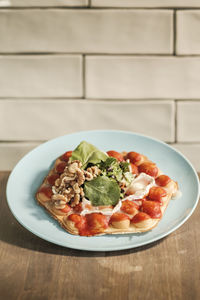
column 31, row 268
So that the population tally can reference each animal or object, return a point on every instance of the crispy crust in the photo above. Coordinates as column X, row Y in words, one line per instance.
column 144, row 226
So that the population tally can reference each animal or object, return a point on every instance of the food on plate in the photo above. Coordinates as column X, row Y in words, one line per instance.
column 90, row 192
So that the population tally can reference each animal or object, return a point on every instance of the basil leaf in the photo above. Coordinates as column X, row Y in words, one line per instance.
column 88, row 153
column 102, row 191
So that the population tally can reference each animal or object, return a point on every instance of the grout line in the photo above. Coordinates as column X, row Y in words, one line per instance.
column 22, row 98
column 85, row 53
column 172, row 55
column 145, row 8
column 86, row 98
column 42, row 7
column 174, row 32
column 175, row 121
column 21, row 141
column 7, row 98
column 96, row 7
column 186, row 143
column 83, row 77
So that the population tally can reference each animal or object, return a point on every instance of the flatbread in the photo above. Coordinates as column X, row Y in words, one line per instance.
column 45, row 200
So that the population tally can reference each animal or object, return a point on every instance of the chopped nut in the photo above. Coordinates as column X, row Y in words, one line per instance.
column 67, row 187
column 76, row 200
column 57, row 182
column 68, row 178
column 81, row 177
column 73, row 167
column 76, row 188
column 82, row 192
column 88, row 176
column 59, row 204
column 78, row 162
column 59, row 197
column 67, row 191
column 92, row 172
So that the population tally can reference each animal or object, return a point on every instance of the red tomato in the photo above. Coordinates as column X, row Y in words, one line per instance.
column 75, row 218
column 134, row 157
column 141, row 216
column 156, row 193
column 152, row 208
column 78, row 207
column 162, row 180
column 46, row 190
column 66, row 209
column 149, row 168
column 117, row 217
column 66, row 156
column 134, row 169
column 96, row 222
column 52, row 178
column 129, row 207
column 116, row 155
column 80, row 223
column 60, row 167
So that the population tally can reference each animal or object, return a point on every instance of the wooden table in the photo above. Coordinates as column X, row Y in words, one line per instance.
column 31, row 268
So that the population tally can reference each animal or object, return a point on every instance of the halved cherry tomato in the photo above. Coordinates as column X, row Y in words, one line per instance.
column 46, row 190
column 80, row 223
column 129, row 207
column 52, row 178
column 140, row 217
column 96, row 222
column 134, row 169
column 66, row 156
column 116, row 155
column 156, row 193
column 162, row 180
column 152, row 208
column 76, row 218
column 117, row 217
column 134, row 157
column 60, row 167
column 66, row 209
column 149, row 168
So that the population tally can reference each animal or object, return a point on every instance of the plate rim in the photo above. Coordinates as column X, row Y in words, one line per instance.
column 113, row 248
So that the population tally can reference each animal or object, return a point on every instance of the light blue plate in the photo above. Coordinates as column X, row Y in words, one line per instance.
column 31, row 170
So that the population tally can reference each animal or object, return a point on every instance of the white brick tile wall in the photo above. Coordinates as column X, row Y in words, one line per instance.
column 42, row 3
column 41, row 76
column 87, row 31
column 188, row 121
column 71, row 65
column 191, row 152
column 41, row 120
column 11, row 153
column 145, row 3
column 142, row 77
column 188, row 32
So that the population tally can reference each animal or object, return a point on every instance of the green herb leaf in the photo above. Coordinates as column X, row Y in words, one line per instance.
column 88, row 153
column 102, row 191
column 128, row 177
column 111, row 168
column 125, row 166
column 109, row 162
